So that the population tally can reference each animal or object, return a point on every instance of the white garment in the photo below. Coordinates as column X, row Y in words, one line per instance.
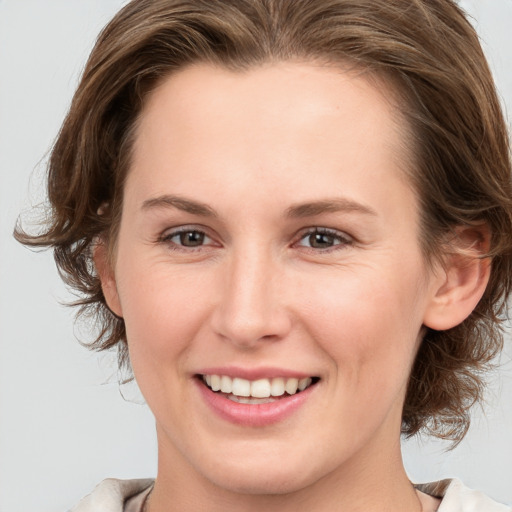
column 458, row 498
column 111, row 496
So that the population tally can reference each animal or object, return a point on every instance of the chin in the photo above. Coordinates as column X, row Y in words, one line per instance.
column 264, row 482
column 263, row 475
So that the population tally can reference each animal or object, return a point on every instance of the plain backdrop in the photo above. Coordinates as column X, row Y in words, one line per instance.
column 64, row 424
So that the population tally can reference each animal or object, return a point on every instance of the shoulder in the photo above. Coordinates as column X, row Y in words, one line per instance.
column 111, row 494
column 456, row 497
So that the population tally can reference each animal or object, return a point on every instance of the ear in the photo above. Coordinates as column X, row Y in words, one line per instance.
column 106, row 274
column 460, row 280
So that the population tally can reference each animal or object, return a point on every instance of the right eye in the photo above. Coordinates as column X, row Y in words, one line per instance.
column 186, row 238
column 189, row 238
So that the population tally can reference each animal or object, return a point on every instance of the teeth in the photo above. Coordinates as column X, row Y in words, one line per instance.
column 261, row 388
column 241, row 387
column 291, row 386
column 277, row 387
column 250, row 400
column 215, row 382
column 304, row 383
column 226, row 384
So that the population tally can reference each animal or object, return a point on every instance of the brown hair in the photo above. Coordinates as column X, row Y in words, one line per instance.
column 425, row 48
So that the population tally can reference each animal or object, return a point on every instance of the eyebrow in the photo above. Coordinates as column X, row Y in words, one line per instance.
column 328, row 206
column 301, row 210
column 186, row 205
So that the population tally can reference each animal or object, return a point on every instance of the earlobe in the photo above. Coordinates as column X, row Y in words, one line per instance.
column 459, row 284
column 107, row 277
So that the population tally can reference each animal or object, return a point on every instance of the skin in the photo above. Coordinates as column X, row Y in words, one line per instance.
column 251, row 147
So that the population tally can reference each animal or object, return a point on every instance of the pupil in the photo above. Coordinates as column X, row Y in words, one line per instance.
column 191, row 238
column 321, row 240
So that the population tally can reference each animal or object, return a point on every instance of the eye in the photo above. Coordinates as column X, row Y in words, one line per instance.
column 187, row 238
column 324, row 239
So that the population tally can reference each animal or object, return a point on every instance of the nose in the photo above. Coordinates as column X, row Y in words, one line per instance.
column 251, row 307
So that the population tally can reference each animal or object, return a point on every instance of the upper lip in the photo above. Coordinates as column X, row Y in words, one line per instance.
column 254, row 373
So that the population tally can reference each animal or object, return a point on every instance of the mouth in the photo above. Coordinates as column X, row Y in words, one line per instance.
column 260, row 391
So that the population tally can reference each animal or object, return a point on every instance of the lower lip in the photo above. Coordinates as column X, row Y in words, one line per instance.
column 253, row 415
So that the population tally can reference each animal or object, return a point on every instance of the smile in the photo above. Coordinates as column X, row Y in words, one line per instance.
column 256, row 397
column 257, row 391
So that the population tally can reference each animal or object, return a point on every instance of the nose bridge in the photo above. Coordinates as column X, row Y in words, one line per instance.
column 250, row 308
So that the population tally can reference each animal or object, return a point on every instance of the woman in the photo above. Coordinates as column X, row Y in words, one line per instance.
column 293, row 220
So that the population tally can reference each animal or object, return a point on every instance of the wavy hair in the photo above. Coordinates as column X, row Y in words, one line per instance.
column 426, row 49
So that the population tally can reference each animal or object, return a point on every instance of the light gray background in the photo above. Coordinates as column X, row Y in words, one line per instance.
column 63, row 423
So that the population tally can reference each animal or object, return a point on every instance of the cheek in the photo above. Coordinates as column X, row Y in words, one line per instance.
column 367, row 321
column 162, row 310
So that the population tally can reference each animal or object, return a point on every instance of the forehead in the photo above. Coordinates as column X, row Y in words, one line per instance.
column 300, row 93
column 276, row 126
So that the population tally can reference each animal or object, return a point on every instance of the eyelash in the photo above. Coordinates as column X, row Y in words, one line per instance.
column 343, row 240
column 167, row 237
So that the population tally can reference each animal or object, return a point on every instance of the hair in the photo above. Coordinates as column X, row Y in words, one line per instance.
column 426, row 49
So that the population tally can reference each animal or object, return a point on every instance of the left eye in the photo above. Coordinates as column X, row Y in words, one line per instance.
column 323, row 239
column 188, row 238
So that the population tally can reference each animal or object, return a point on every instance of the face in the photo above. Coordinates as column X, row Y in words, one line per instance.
column 269, row 274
